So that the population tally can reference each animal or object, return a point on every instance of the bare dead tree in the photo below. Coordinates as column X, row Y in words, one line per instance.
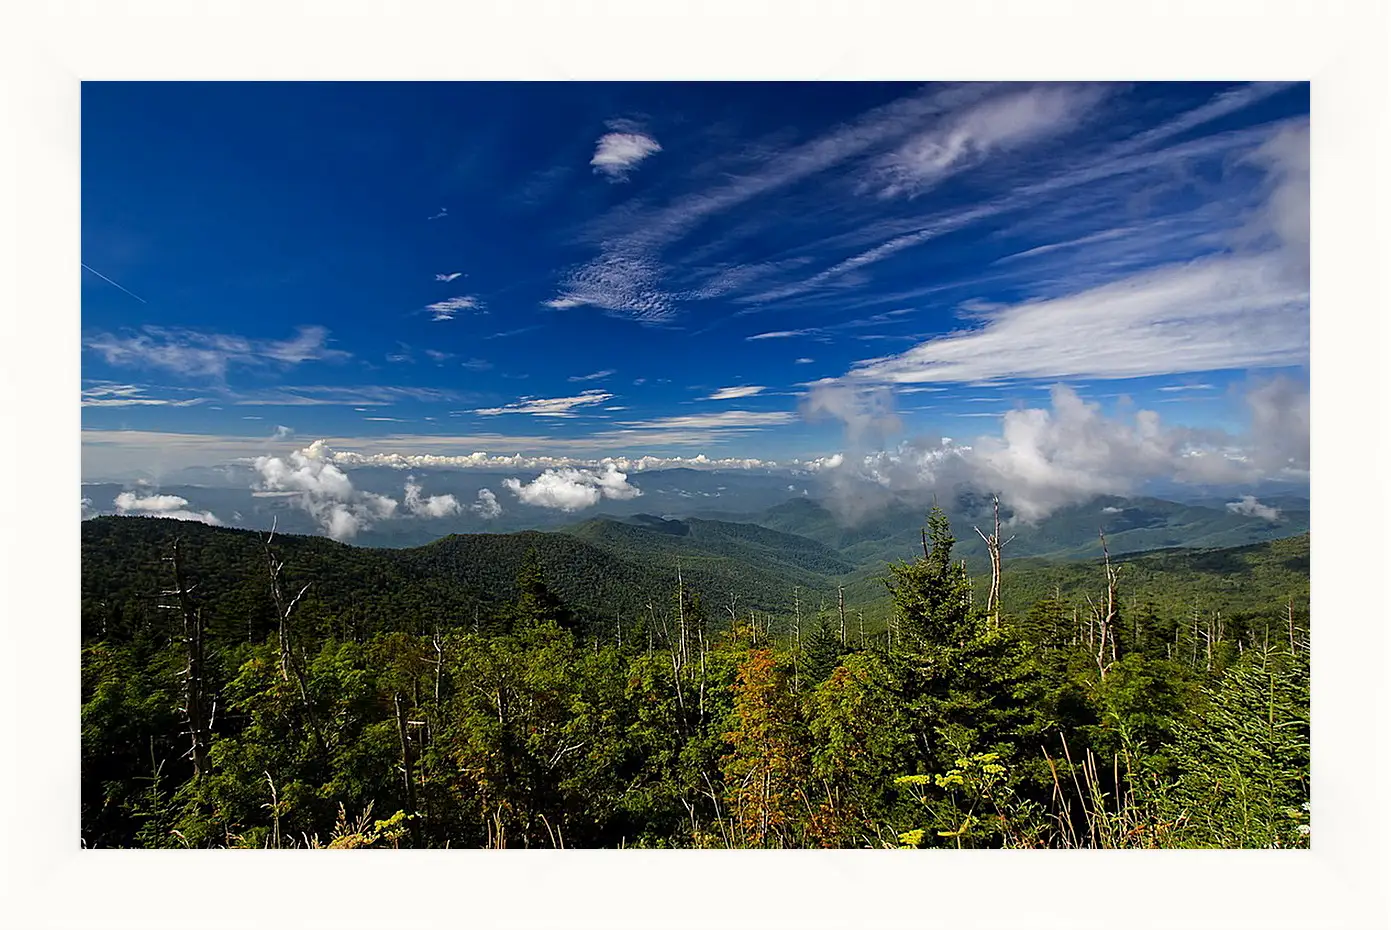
column 993, row 545
column 407, row 757
column 840, row 606
column 283, row 608
column 199, row 726
column 1289, row 617
column 1194, row 661
column 1108, row 620
column 681, row 610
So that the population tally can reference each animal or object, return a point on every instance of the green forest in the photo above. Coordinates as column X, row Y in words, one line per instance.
column 742, row 688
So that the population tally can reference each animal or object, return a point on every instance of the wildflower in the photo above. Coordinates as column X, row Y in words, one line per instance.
column 1303, row 829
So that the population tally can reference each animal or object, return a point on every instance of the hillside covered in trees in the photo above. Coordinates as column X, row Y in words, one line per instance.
column 687, row 683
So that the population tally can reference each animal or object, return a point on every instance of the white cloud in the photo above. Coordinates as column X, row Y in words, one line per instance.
column 1248, row 506
column 436, row 355
column 1044, row 458
column 624, row 283
column 731, row 393
column 484, row 460
column 596, row 376
column 999, row 123
column 572, row 489
column 446, row 309
column 449, row 277
column 443, row 505
column 487, row 507
column 804, row 361
column 1113, row 510
column 347, row 396
column 779, row 334
column 564, row 302
column 155, row 503
column 1219, row 313
column 618, row 153
column 549, row 406
column 111, row 394
column 477, row 364
column 283, row 432
column 324, row 490
column 867, row 412
column 1170, row 388
column 168, row 506
column 198, row 354
column 1279, row 410
column 728, row 419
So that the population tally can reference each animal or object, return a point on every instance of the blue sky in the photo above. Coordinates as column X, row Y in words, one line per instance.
column 769, row 271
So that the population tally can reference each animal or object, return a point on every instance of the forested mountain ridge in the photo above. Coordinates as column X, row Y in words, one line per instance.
column 246, row 691
column 1130, row 524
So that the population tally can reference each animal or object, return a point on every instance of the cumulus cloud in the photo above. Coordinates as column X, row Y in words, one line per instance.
column 1112, row 509
column 1248, row 506
column 485, row 460
column 443, row 505
column 572, row 489
column 1279, row 410
column 283, row 432
column 618, row 153
column 549, row 406
column 169, row 506
column 323, row 490
column 867, row 412
column 487, row 506
column 1070, row 452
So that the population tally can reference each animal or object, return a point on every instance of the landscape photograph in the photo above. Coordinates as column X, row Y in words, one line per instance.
column 698, row 465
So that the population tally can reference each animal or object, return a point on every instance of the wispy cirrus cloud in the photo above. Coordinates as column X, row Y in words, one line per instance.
column 449, row 277
column 780, row 334
column 1241, row 308
column 314, row 395
column 594, row 376
column 444, row 310
column 209, row 355
column 629, row 276
column 549, row 406
column 112, row 394
column 731, row 393
column 564, row 302
column 1002, row 122
column 1217, row 314
column 727, row 419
